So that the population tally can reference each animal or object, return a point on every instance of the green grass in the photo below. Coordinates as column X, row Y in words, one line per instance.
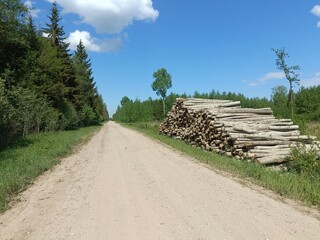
column 313, row 128
column 33, row 155
column 286, row 184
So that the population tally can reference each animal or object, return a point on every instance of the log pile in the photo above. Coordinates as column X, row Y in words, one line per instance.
column 224, row 127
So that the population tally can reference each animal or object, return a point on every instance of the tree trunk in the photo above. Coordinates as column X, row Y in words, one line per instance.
column 164, row 106
column 290, row 98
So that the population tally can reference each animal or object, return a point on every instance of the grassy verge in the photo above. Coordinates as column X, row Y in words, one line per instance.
column 313, row 128
column 33, row 155
column 286, row 184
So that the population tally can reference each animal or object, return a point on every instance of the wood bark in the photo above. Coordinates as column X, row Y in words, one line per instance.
column 224, row 127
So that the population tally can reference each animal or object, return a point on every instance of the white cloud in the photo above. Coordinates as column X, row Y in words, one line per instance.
column 312, row 81
column 33, row 11
column 110, row 16
column 272, row 75
column 265, row 78
column 316, row 10
column 93, row 44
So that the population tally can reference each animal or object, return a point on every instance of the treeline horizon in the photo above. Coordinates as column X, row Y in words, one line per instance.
column 306, row 104
column 43, row 87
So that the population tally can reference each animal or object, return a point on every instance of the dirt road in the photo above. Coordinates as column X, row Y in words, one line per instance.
column 124, row 186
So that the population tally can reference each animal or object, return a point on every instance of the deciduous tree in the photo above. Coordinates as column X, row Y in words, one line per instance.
column 161, row 84
column 290, row 72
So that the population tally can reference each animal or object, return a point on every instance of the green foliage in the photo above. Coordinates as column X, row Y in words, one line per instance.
column 54, row 30
column 42, row 88
column 27, row 112
column 88, row 116
column 13, row 47
column 307, row 105
column 66, row 74
column 87, row 99
column 6, row 117
column 313, row 128
column 279, row 102
column 22, row 112
column 124, row 101
column 305, row 161
column 137, row 111
column 290, row 73
column 279, row 95
column 307, row 102
column 161, row 84
column 69, row 118
column 134, row 111
column 47, row 80
column 86, row 90
column 100, row 108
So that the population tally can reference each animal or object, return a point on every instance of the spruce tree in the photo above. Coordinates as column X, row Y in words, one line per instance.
column 56, row 36
column 32, row 34
column 13, row 47
column 86, row 85
column 54, row 31
column 31, row 66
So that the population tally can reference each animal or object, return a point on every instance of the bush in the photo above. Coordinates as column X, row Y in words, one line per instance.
column 50, row 119
column 302, row 122
column 88, row 116
column 68, row 118
column 305, row 161
column 23, row 112
column 6, row 115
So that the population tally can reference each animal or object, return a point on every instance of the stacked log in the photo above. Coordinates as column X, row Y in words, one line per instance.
column 225, row 127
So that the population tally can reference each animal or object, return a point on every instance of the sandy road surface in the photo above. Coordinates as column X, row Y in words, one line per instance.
column 122, row 185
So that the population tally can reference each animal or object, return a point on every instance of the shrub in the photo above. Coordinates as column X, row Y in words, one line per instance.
column 51, row 119
column 88, row 116
column 6, row 115
column 68, row 118
column 305, row 161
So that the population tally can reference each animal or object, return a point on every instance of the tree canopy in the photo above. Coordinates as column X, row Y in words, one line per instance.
column 161, row 84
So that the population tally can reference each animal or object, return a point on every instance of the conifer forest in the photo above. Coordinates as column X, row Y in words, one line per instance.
column 43, row 86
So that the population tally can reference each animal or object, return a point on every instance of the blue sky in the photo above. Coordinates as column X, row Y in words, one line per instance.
column 206, row 44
